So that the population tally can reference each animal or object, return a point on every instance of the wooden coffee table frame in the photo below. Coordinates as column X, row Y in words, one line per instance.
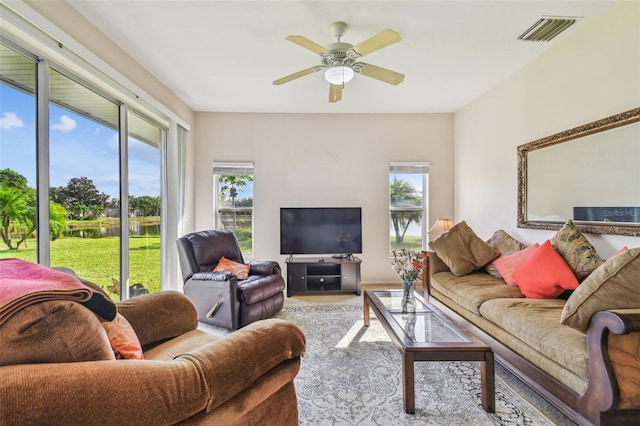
column 473, row 350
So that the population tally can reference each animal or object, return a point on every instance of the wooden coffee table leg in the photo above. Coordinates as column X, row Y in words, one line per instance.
column 487, row 383
column 408, row 383
column 365, row 305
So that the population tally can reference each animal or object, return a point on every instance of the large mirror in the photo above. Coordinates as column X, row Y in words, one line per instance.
column 590, row 174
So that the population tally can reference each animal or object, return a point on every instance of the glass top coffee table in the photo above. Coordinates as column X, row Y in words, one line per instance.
column 428, row 335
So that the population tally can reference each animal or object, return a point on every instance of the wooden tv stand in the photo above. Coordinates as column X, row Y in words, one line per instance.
column 316, row 275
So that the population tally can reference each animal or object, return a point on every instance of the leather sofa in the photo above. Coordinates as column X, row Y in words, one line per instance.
column 221, row 298
column 188, row 376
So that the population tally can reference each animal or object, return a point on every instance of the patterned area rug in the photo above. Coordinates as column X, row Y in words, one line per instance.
column 351, row 375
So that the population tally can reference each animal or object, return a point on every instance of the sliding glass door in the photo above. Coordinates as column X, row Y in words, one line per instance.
column 80, row 173
column 83, row 178
column 144, row 154
column 18, row 215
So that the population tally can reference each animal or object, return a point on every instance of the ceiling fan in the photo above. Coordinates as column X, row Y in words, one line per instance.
column 340, row 60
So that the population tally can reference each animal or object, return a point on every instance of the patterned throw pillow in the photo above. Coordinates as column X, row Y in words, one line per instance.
column 576, row 250
column 506, row 245
column 239, row 269
column 462, row 250
column 123, row 338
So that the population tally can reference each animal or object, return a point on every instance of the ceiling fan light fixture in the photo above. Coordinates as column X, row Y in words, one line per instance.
column 339, row 75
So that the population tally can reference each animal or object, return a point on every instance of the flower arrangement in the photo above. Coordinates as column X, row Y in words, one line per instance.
column 408, row 264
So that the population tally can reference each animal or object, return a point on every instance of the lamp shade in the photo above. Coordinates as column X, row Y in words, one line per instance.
column 440, row 227
column 338, row 75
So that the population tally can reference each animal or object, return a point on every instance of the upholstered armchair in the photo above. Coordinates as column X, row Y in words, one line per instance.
column 59, row 366
column 220, row 297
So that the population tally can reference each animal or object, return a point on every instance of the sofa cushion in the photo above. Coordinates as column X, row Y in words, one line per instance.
column 544, row 275
column 123, row 339
column 576, row 250
column 240, row 270
column 472, row 290
column 506, row 245
column 614, row 285
column 537, row 323
column 51, row 332
column 506, row 265
column 185, row 343
column 462, row 250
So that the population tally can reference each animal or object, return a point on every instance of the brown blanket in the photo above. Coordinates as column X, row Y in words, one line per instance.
column 24, row 283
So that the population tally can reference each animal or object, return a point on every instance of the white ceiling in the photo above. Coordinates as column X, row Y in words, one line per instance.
column 224, row 55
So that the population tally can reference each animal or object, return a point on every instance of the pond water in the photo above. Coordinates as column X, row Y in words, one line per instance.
column 135, row 230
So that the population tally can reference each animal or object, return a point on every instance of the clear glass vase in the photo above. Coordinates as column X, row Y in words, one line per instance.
column 408, row 296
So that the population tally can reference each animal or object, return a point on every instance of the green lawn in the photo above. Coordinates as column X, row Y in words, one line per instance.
column 409, row 243
column 97, row 259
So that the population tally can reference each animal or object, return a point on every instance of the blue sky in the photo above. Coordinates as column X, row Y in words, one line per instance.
column 78, row 147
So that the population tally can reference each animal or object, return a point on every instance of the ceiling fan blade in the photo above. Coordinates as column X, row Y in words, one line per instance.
column 377, row 42
column 335, row 93
column 295, row 75
column 382, row 74
column 307, row 44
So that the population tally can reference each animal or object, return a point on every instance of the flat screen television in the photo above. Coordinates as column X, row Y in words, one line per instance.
column 321, row 230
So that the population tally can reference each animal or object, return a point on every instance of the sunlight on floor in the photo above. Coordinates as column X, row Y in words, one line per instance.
column 359, row 333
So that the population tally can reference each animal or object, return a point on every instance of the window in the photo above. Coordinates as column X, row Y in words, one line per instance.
column 408, row 204
column 144, row 191
column 18, row 204
column 83, row 177
column 61, row 186
column 233, row 195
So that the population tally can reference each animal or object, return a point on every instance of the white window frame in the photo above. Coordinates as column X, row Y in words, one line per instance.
column 413, row 167
column 232, row 168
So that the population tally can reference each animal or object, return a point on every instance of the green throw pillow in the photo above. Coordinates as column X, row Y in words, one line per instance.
column 576, row 250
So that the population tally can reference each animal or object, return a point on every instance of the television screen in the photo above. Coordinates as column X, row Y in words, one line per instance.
column 321, row 230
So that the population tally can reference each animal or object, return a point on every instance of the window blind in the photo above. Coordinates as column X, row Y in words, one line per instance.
column 229, row 168
column 409, row 167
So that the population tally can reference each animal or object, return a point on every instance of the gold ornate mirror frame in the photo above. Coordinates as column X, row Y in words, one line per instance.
column 617, row 228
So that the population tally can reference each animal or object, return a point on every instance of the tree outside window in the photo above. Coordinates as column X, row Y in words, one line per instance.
column 408, row 186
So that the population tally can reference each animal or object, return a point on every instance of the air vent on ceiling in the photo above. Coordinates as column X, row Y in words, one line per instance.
column 547, row 28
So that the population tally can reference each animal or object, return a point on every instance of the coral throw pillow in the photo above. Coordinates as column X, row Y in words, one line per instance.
column 123, row 338
column 622, row 250
column 239, row 269
column 506, row 245
column 545, row 274
column 506, row 265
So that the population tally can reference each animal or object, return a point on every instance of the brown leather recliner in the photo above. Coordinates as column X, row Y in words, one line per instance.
column 220, row 298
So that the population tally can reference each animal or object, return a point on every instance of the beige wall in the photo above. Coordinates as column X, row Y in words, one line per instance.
column 590, row 74
column 319, row 160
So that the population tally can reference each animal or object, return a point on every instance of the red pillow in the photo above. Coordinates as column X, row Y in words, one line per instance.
column 507, row 264
column 239, row 269
column 622, row 250
column 124, row 340
column 545, row 275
